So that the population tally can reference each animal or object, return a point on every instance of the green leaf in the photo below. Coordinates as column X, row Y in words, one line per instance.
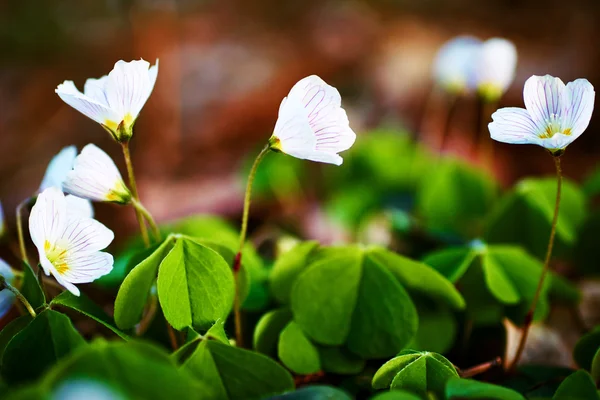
column 578, row 386
column 195, row 286
column 451, row 262
column 457, row 388
column 586, row 348
column 87, row 307
column 419, row 278
column 418, row 372
column 267, row 330
column 437, row 329
column 524, row 215
column 49, row 337
column 314, row 392
column 595, row 369
column 297, row 352
column 10, row 330
column 287, row 268
column 31, row 288
column 217, row 230
column 396, row 395
column 129, row 370
column 217, row 332
column 228, row 372
column 367, row 303
column 456, row 198
column 135, row 289
column 339, row 360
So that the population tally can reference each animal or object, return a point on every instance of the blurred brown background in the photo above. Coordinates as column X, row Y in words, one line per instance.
column 225, row 66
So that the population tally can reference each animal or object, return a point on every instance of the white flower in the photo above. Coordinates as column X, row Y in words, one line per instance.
column 96, row 177
column 312, row 125
column 454, row 65
column 7, row 298
column 79, row 207
column 58, row 168
column 68, row 246
column 555, row 114
column 495, row 70
column 116, row 99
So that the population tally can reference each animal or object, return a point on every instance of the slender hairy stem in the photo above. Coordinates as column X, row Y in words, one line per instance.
column 20, row 234
column 134, row 192
column 237, row 263
column 481, row 368
column 538, row 291
column 18, row 295
column 172, row 337
column 146, row 214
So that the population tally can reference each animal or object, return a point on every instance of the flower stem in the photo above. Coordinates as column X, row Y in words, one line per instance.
column 18, row 295
column 484, row 144
column 237, row 263
column 538, row 291
column 134, row 192
column 146, row 214
column 479, row 369
column 20, row 234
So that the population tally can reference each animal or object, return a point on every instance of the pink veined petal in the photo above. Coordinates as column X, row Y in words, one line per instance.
column 292, row 127
column 65, row 283
column 513, row 125
column 544, row 99
column 96, row 89
column 324, row 157
column 86, row 235
column 48, row 217
column 335, row 135
column 86, row 268
column 85, row 105
column 94, row 158
column 578, row 106
column 128, row 87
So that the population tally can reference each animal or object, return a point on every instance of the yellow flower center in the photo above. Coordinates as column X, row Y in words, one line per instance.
column 114, row 125
column 57, row 254
column 554, row 126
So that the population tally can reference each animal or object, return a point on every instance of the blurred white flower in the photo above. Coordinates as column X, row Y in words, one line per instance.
column 495, row 70
column 2, row 223
column 7, row 298
column 96, row 177
column 79, row 207
column 68, row 246
column 454, row 65
column 312, row 125
column 58, row 168
column 114, row 100
column 55, row 175
column 77, row 389
column 554, row 115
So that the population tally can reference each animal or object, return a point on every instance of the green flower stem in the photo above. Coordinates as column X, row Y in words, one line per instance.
column 20, row 234
column 485, row 144
column 148, row 217
column 134, row 192
column 18, row 295
column 538, row 291
column 237, row 263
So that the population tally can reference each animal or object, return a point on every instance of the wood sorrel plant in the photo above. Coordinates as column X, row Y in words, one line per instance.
column 311, row 125
column 554, row 116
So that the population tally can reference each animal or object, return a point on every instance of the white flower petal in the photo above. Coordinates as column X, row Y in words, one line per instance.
column 129, row 85
column 85, row 105
column 86, row 235
column 578, row 106
column 96, row 89
column 544, row 96
column 76, row 206
column 454, row 65
column 58, row 168
column 557, row 141
column 496, row 64
column 7, row 298
column 65, row 283
column 86, row 268
column 513, row 125
column 311, row 122
column 48, row 218
column 96, row 177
